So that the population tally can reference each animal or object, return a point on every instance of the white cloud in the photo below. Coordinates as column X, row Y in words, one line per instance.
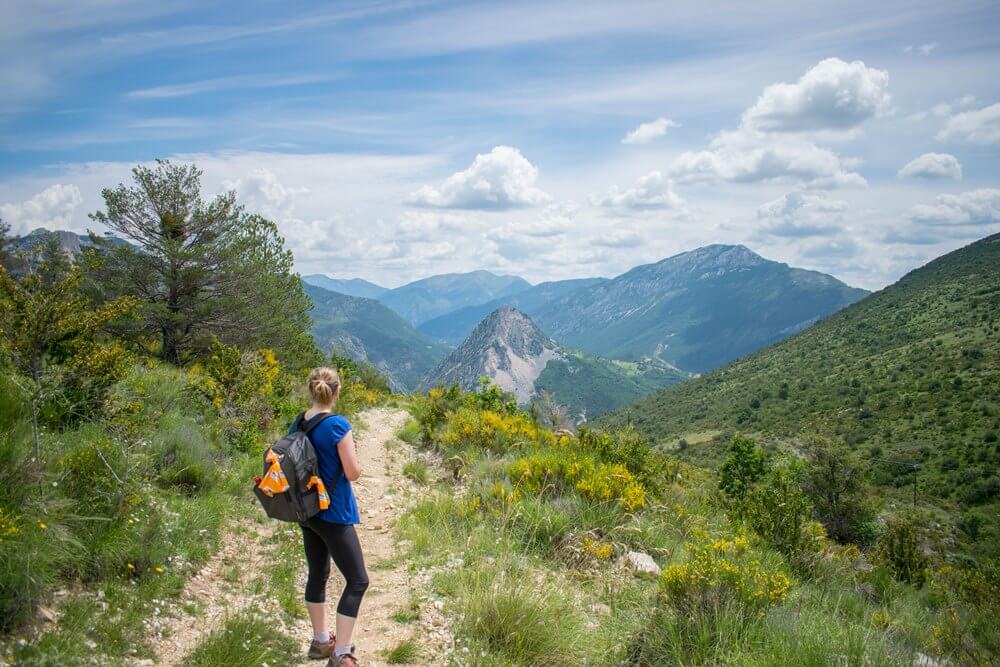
column 802, row 214
column 973, row 208
column 933, row 166
column 981, row 126
column 652, row 191
column 499, row 180
column 922, row 49
column 750, row 157
column 262, row 192
column 52, row 208
column 832, row 96
column 224, row 83
column 619, row 238
column 646, row 132
column 944, row 109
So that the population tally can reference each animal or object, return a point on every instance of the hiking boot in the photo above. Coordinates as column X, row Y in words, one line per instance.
column 346, row 660
column 320, row 650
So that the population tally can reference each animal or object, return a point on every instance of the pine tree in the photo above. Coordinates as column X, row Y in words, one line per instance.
column 200, row 269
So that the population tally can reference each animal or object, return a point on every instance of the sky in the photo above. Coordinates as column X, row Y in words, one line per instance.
column 392, row 140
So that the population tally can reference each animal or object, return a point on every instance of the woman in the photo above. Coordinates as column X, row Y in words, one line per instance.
column 331, row 534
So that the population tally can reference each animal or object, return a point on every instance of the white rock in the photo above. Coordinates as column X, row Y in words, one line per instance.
column 641, row 564
column 922, row 660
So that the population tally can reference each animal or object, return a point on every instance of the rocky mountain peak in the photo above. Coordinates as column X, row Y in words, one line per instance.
column 506, row 346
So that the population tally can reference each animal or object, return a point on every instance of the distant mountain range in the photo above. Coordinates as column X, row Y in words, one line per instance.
column 350, row 286
column 366, row 330
column 689, row 313
column 513, row 352
column 696, row 310
column 423, row 300
column 453, row 327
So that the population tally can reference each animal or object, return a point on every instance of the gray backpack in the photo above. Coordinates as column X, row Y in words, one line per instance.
column 290, row 488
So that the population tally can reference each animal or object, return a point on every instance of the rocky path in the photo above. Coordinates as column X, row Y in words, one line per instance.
column 223, row 587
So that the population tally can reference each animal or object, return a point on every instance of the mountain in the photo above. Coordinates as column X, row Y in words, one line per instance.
column 348, row 286
column 365, row 330
column 909, row 377
column 513, row 352
column 71, row 242
column 455, row 326
column 425, row 299
column 696, row 310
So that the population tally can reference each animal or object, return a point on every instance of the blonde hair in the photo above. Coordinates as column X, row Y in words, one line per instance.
column 323, row 385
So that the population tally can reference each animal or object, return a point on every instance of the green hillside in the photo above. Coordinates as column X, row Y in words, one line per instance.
column 588, row 386
column 909, row 377
column 365, row 330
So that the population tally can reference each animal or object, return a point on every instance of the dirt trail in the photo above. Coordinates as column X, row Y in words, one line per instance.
column 222, row 588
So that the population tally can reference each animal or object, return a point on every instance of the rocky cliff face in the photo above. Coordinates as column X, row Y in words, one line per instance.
column 507, row 347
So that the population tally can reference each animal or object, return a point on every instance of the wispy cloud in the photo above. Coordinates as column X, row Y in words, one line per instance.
column 226, row 83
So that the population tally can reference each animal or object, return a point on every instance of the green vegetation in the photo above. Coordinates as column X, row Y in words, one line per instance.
column 526, row 548
column 589, row 386
column 120, row 468
column 404, row 652
column 908, row 380
column 248, row 638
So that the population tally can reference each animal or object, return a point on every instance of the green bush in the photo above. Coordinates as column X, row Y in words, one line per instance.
column 184, row 453
column 744, row 467
column 900, row 550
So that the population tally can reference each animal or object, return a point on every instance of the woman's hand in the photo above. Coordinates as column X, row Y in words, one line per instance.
column 349, row 457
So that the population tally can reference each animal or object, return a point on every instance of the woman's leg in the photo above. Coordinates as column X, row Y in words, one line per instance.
column 345, row 549
column 318, row 561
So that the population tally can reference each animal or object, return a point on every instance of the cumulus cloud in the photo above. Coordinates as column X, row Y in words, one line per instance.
column 646, row 132
column 777, row 136
column 652, row 191
column 500, row 180
column 52, row 208
column 750, row 157
column 262, row 191
column 832, row 96
column 801, row 214
column 973, row 208
column 981, row 126
column 933, row 166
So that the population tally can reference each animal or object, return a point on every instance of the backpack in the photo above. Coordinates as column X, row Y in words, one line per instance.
column 290, row 488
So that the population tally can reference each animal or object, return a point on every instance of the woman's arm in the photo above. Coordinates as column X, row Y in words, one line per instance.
column 349, row 457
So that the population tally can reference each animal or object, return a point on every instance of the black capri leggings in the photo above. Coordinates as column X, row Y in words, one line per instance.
column 324, row 541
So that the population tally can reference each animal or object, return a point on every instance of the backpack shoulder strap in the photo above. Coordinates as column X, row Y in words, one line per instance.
column 309, row 425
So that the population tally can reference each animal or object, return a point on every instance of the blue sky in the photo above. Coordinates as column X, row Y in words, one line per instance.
column 393, row 140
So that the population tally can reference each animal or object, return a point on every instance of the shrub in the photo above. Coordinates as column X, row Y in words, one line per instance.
column 554, row 471
column 778, row 511
column 722, row 574
column 744, row 466
column 416, row 470
column 900, row 551
column 489, row 431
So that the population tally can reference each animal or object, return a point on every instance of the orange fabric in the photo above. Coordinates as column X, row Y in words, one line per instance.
column 274, row 481
column 324, row 497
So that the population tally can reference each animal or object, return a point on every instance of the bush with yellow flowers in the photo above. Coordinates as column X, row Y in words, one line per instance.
column 553, row 471
column 489, row 431
column 967, row 623
column 722, row 574
column 246, row 388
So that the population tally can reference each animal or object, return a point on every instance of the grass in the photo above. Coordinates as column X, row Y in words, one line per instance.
column 409, row 613
column 247, row 638
column 402, row 653
column 417, row 471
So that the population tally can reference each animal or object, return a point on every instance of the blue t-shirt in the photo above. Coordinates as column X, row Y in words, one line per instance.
column 343, row 506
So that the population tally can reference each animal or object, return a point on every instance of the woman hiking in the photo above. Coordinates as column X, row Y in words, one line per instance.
column 330, row 534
